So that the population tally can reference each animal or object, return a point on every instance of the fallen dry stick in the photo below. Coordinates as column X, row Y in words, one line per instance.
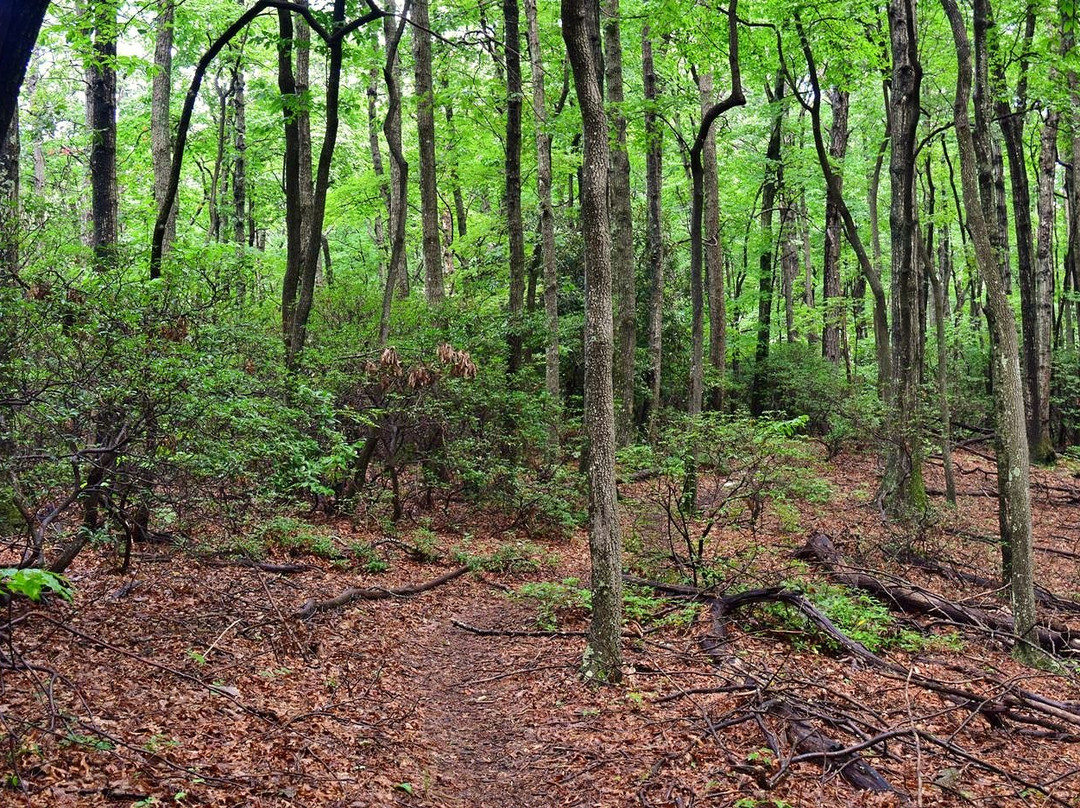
column 313, row 606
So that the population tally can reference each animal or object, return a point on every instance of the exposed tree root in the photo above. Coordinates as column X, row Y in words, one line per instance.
column 313, row 606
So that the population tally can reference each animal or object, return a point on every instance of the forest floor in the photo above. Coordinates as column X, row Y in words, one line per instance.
column 192, row 682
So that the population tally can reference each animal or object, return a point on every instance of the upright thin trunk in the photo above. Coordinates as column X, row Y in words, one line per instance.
column 160, row 123
column 425, row 130
column 654, row 177
column 377, row 167
column 101, row 98
column 9, row 213
column 547, row 212
column 603, row 656
column 622, row 234
column 789, row 263
column 773, row 181
column 832, row 302
column 397, row 274
column 459, row 216
column 903, row 490
column 1014, row 492
column 294, row 224
column 714, row 253
column 512, row 189
column 1043, row 280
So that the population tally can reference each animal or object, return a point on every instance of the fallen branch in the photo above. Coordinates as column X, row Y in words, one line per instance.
column 912, row 599
column 506, row 632
column 313, row 606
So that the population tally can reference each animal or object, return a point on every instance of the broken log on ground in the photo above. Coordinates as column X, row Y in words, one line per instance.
column 313, row 606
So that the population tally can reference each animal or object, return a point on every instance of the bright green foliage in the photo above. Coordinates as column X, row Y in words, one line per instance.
column 33, row 583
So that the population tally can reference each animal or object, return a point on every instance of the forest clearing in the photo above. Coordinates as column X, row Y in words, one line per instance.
column 655, row 403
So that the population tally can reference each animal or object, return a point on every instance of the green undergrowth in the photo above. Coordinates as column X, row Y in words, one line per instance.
column 560, row 602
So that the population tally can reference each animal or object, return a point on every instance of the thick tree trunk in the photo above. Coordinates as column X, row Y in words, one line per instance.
column 19, row 25
column 1014, row 490
column 547, row 212
column 603, row 656
column 902, row 488
column 160, row 123
column 622, row 234
column 101, row 98
column 714, row 253
column 294, row 223
column 832, row 303
column 425, row 129
column 654, row 177
column 512, row 189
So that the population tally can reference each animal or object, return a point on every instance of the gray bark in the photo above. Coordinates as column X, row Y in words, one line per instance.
column 603, row 656
column 654, row 176
column 101, row 99
column 622, row 233
column 1012, row 449
column 714, row 253
column 512, row 188
column 425, row 129
column 160, row 124
column 547, row 212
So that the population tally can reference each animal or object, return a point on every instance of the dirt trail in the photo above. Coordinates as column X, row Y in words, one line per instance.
column 483, row 737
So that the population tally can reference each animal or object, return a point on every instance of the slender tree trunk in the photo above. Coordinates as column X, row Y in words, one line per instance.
column 603, row 656
column 654, row 176
column 512, row 189
column 380, row 173
column 789, row 263
column 622, row 234
column 294, row 223
column 459, row 198
column 1043, row 291
column 714, row 253
column 832, row 303
column 239, row 167
column 434, row 290
column 101, row 98
column 902, row 488
column 773, row 182
column 9, row 216
column 547, row 212
column 1012, row 451
column 397, row 274
column 160, row 123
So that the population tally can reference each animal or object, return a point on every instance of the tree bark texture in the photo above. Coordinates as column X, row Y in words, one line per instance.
column 1014, row 487
column 101, row 99
column 832, row 303
column 902, row 488
column 603, row 656
column 713, row 251
column 160, row 123
column 425, row 130
column 622, row 229
column 547, row 211
column 1043, row 276
column 654, row 250
column 9, row 212
column 512, row 189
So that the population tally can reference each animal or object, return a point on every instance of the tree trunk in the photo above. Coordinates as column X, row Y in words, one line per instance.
column 1043, row 290
column 294, row 223
column 832, row 303
column 902, row 488
column 101, row 98
column 160, row 123
column 654, row 177
column 603, row 656
column 774, row 174
column 397, row 274
column 789, row 262
column 714, row 253
column 425, row 130
column 512, row 189
column 9, row 214
column 380, row 173
column 622, row 234
column 19, row 26
column 239, row 169
column 547, row 212
column 1012, row 451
